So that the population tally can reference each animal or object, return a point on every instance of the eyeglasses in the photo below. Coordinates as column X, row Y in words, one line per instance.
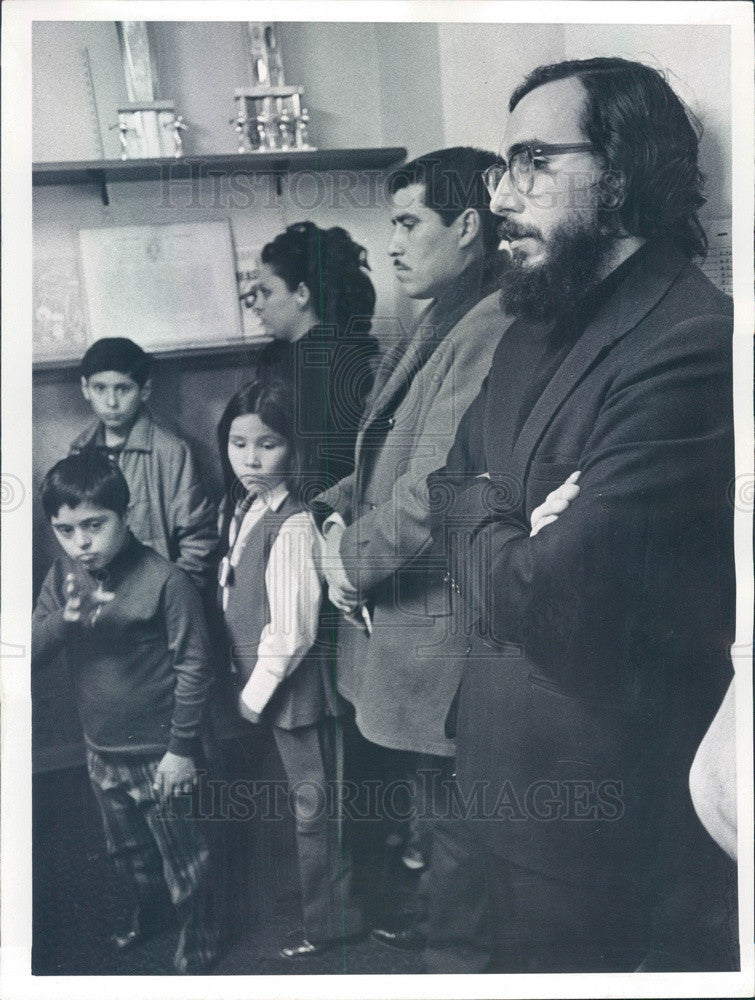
column 522, row 161
column 249, row 292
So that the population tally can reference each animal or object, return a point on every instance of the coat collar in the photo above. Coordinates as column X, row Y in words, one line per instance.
column 401, row 361
column 655, row 269
column 139, row 437
column 409, row 354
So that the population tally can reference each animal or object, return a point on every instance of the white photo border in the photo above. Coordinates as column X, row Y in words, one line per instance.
column 16, row 981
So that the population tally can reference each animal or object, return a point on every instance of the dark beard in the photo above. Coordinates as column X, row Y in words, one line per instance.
column 574, row 260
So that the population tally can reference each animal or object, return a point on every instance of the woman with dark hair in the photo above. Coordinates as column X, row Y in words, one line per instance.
column 315, row 299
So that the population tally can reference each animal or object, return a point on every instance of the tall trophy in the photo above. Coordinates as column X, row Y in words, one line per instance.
column 269, row 115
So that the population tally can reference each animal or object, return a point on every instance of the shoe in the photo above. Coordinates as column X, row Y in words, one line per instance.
column 147, row 920
column 186, row 967
column 304, row 949
column 307, row 949
column 413, row 860
column 406, row 940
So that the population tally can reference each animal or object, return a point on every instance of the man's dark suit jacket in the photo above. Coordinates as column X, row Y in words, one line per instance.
column 599, row 652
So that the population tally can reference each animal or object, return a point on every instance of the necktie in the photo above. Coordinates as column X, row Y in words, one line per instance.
column 225, row 570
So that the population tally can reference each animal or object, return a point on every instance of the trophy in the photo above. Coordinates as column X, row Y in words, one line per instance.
column 150, row 129
column 269, row 119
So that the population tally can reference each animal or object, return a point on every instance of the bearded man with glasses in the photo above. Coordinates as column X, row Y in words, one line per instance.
column 590, row 550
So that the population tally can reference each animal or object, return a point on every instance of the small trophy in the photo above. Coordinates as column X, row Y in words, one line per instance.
column 149, row 129
column 179, row 126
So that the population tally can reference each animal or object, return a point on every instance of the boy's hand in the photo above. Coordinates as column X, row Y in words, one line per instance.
column 246, row 713
column 175, row 775
column 72, row 610
column 85, row 607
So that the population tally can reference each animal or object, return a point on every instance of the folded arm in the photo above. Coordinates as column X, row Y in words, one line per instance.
column 649, row 529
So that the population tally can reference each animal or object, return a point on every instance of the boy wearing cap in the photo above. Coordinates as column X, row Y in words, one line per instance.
column 169, row 510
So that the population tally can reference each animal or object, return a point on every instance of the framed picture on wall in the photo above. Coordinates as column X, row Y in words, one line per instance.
column 59, row 323
column 167, row 287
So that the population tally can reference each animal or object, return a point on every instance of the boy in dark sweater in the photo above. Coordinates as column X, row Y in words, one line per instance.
column 132, row 627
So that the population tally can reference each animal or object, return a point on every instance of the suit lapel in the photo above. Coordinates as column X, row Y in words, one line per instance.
column 388, row 361
column 643, row 288
column 403, row 362
column 409, row 356
column 400, row 364
column 396, row 371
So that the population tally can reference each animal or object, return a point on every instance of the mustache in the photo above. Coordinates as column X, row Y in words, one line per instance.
column 510, row 230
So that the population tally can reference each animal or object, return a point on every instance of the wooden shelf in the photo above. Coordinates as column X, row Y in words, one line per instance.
column 53, row 370
column 104, row 172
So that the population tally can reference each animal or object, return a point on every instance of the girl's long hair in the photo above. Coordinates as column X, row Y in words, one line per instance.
column 271, row 399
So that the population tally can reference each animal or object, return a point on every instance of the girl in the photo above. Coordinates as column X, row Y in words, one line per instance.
column 271, row 596
column 316, row 301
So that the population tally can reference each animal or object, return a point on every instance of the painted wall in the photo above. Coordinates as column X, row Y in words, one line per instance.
column 696, row 61
column 66, row 124
column 480, row 66
column 337, row 65
column 199, row 65
column 376, row 96
column 409, row 96
column 419, row 85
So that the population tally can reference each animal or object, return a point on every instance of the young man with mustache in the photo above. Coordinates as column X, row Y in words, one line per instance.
column 443, row 250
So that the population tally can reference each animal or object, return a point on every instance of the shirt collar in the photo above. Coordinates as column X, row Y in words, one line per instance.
column 273, row 499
